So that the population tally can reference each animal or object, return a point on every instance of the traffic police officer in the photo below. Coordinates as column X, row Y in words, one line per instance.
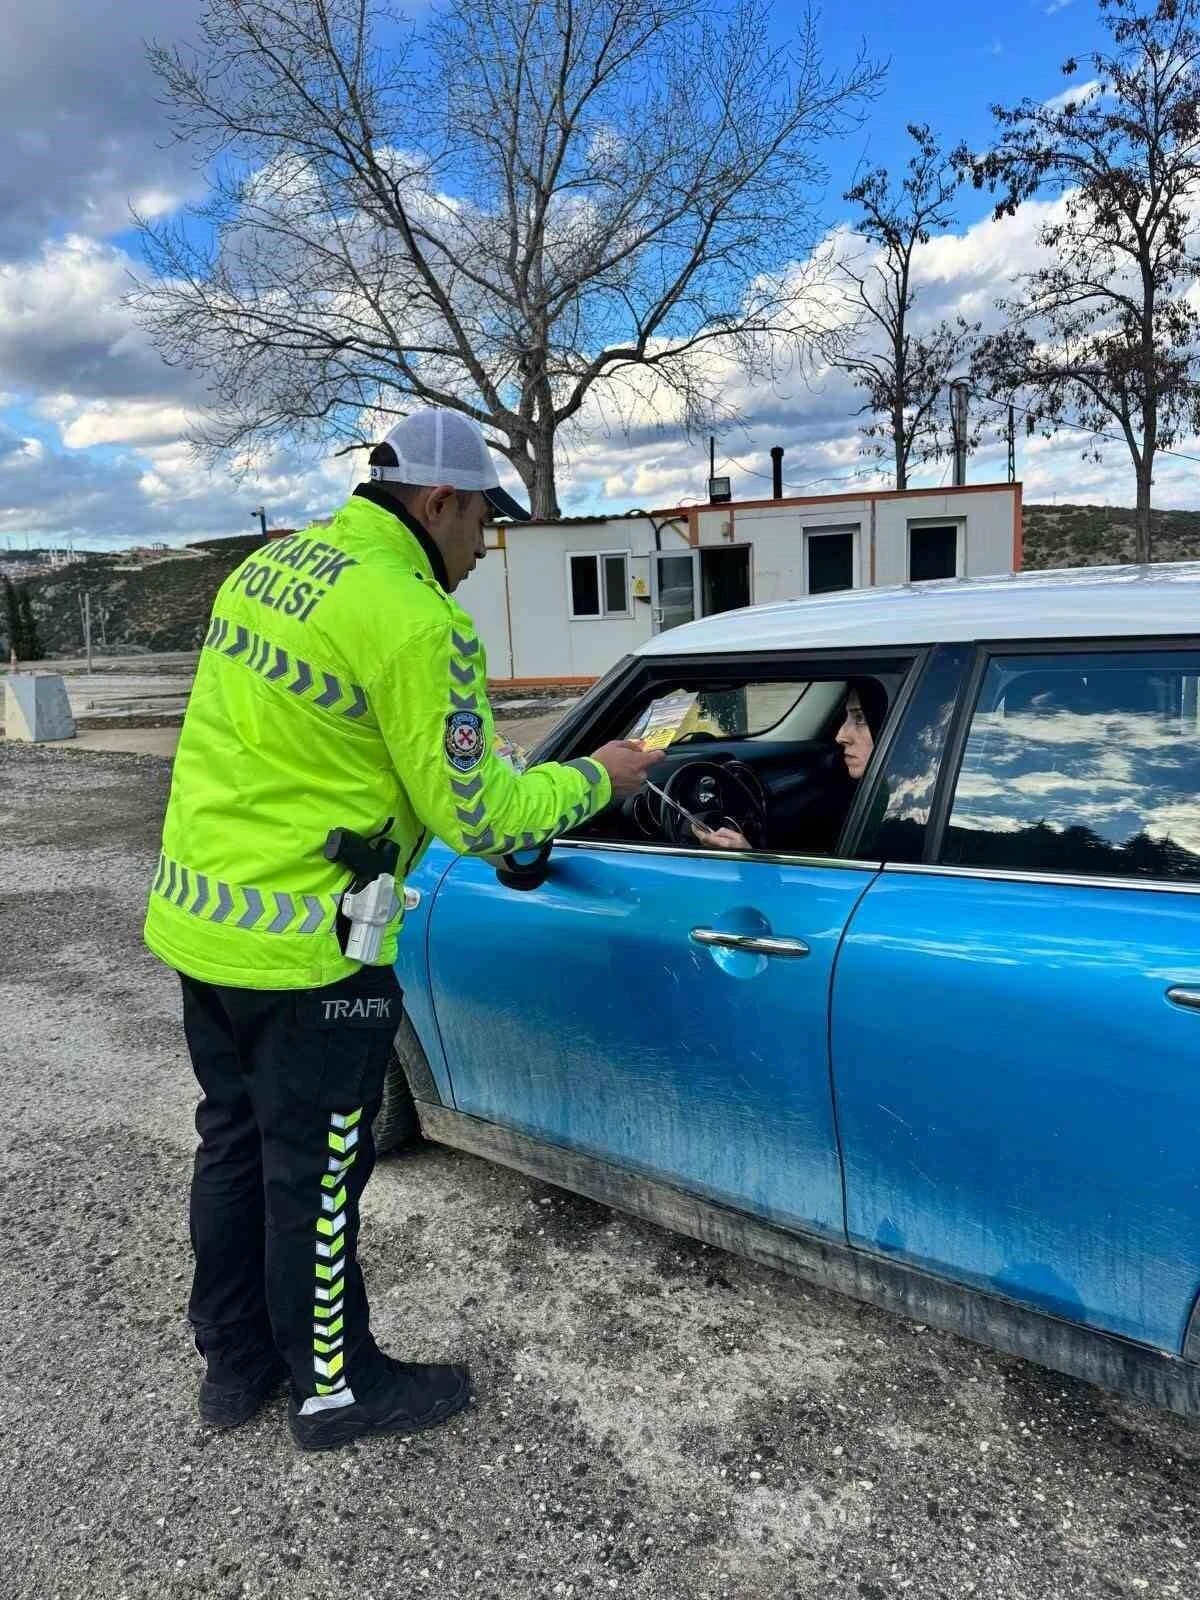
column 339, row 686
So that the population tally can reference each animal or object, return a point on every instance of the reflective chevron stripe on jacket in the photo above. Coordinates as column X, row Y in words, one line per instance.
column 241, row 905
column 291, row 672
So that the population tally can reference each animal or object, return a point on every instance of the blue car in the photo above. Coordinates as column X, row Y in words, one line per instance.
column 893, row 981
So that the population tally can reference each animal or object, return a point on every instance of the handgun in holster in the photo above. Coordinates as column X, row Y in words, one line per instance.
column 371, row 901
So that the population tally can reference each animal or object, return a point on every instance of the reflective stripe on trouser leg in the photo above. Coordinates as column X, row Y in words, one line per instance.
column 329, row 1379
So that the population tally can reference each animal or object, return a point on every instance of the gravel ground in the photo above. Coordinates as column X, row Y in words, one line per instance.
column 654, row 1419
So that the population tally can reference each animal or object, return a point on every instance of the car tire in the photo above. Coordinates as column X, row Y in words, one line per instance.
column 397, row 1124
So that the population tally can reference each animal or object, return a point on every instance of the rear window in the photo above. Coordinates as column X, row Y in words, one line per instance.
column 1083, row 764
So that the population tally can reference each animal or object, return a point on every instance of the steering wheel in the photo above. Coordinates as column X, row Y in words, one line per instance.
column 719, row 794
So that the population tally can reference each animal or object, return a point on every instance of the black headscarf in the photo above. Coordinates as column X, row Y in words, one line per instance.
column 872, row 697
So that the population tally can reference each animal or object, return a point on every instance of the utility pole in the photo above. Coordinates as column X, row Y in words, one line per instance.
column 261, row 514
column 87, row 628
column 1012, row 445
column 959, row 395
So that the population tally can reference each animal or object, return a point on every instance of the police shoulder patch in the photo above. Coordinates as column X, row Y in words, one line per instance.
column 464, row 740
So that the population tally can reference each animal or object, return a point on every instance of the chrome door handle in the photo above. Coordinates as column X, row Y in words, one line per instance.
column 755, row 944
column 412, row 899
column 1189, row 998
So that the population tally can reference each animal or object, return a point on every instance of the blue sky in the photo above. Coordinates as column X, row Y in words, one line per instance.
column 92, row 423
column 949, row 64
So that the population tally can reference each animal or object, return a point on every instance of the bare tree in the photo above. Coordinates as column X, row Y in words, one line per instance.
column 905, row 374
column 544, row 200
column 1104, row 331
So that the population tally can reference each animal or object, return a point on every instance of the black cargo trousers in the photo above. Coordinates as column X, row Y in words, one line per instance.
column 292, row 1082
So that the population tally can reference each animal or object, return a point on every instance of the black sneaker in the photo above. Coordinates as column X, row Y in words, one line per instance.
column 229, row 1405
column 413, row 1398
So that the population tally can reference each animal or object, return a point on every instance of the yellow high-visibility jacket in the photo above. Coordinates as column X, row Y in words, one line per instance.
column 339, row 686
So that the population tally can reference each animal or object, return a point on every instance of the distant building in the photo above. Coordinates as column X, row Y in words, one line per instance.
column 148, row 555
column 36, row 564
column 565, row 600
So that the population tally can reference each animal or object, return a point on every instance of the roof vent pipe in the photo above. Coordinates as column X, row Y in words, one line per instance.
column 777, row 472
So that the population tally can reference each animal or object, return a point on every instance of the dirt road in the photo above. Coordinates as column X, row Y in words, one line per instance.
column 654, row 1419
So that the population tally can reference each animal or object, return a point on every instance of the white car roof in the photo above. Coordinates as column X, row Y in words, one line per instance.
column 1087, row 602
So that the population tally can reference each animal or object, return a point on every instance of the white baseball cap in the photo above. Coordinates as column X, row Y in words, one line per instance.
column 443, row 447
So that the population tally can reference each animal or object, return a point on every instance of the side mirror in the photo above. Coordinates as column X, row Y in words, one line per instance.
column 525, row 869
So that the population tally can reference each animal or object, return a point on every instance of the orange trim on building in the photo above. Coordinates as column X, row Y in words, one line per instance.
column 1018, row 528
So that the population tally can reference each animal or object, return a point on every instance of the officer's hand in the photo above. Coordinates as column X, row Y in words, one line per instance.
column 627, row 765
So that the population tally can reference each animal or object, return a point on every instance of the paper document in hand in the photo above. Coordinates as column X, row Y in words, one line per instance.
column 665, row 720
column 511, row 752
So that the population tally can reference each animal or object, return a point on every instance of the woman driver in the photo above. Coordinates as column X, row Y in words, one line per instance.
column 864, row 711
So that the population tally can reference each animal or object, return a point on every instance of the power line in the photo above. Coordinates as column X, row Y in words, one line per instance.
column 789, row 483
column 1079, row 427
column 987, row 399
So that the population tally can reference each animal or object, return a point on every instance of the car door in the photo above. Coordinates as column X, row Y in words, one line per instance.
column 593, row 1014
column 1015, row 1025
column 662, row 1008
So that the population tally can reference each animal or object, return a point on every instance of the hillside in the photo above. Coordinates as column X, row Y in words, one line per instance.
column 165, row 606
column 1098, row 536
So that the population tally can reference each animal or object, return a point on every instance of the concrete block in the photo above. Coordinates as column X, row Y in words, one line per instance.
column 36, row 707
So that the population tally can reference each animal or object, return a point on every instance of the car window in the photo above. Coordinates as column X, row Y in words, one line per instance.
column 797, row 710
column 769, row 763
column 898, row 812
column 1086, row 764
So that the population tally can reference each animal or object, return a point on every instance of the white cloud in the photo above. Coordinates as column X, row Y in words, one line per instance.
column 1077, row 93
column 153, row 203
column 130, row 423
column 64, row 329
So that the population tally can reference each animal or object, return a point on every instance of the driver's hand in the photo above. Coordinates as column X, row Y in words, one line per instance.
column 627, row 764
column 722, row 838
